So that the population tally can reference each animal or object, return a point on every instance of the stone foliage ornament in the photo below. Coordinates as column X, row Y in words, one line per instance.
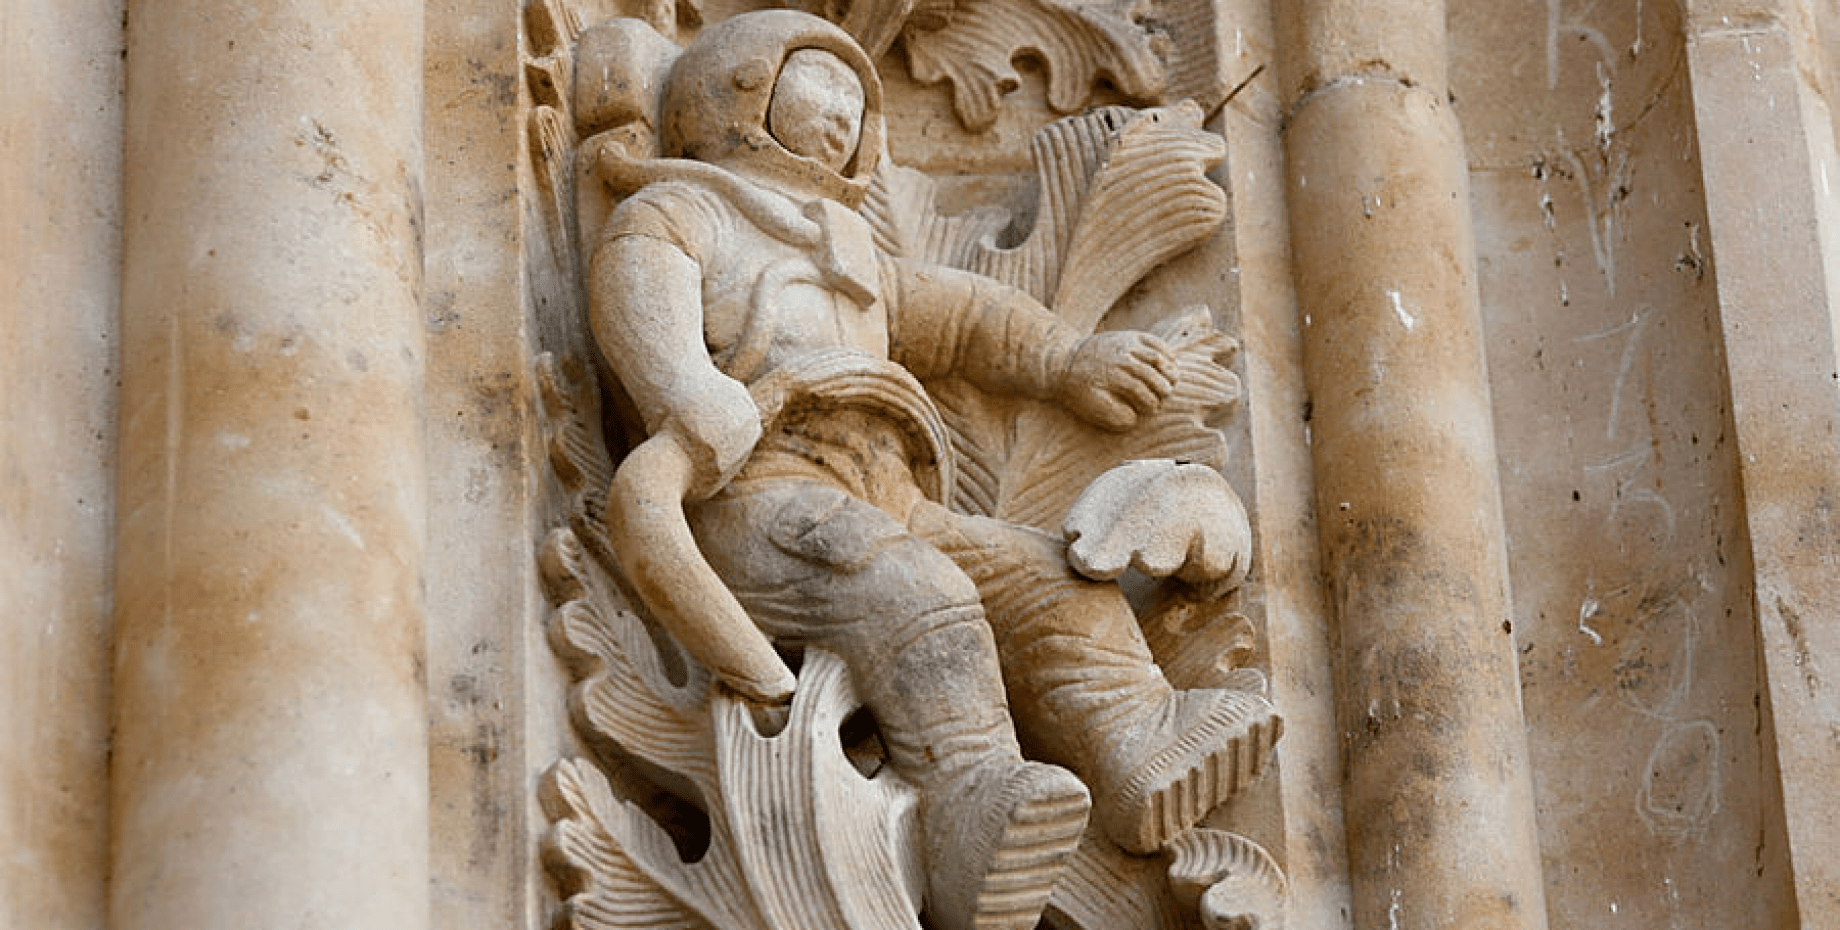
column 1149, row 50
column 871, row 445
column 798, row 837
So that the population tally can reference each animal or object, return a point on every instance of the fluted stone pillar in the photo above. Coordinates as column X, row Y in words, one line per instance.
column 1439, row 794
column 270, row 763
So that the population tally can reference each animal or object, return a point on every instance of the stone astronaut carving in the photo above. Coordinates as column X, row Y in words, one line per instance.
column 789, row 489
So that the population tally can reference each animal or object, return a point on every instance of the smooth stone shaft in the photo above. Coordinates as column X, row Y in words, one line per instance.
column 1439, row 794
column 271, row 753
column 60, row 239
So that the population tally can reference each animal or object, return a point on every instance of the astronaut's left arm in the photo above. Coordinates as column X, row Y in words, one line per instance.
column 946, row 321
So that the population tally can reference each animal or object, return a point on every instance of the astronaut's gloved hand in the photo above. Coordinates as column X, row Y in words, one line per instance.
column 1114, row 378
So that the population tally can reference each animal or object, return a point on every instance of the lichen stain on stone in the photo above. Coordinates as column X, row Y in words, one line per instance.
column 1803, row 655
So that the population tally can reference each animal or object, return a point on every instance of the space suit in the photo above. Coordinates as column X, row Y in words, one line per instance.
column 742, row 303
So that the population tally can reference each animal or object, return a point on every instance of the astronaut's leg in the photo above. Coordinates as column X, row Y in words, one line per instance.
column 1087, row 694
column 816, row 566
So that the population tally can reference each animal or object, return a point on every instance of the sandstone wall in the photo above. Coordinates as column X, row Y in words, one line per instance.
column 1653, row 231
column 1619, row 467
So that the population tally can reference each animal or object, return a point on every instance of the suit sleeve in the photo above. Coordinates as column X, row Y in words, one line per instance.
column 646, row 311
column 946, row 321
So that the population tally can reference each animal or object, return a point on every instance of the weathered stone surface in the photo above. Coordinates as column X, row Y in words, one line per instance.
column 1619, row 469
column 1649, row 217
column 60, row 235
column 271, row 719
column 1407, row 495
column 1767, row 146
column 488, row 743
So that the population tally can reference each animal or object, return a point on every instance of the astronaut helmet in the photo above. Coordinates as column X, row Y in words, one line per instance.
column 720, row 92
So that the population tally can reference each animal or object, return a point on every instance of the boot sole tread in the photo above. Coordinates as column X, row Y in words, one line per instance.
column 1171, row 796
column 1041, row 834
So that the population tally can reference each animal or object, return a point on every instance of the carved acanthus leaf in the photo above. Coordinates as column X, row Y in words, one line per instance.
column 1121, row 192
column 617, row 867
column 1216, row 879
column 1105, row 888
column 799, row 839
column 1079, row 42
column 1152, row 51
column 627, row 700
column 578, row 451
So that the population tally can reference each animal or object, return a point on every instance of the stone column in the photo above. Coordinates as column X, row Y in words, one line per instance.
column 60, row 252
column 1439, row 795
column 271, row 753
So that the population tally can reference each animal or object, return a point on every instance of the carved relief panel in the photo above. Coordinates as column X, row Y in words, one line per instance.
column 896, row 572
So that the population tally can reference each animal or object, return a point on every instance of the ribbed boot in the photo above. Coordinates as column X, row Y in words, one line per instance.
column 997, row 830
column 1087, row 694
column 1164, row 771
column 997, row 842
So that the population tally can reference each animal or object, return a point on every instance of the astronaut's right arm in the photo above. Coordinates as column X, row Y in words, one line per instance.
column 646, row 310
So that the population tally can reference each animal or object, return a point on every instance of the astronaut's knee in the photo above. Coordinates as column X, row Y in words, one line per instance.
column 829, row 528
column 913, row 579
